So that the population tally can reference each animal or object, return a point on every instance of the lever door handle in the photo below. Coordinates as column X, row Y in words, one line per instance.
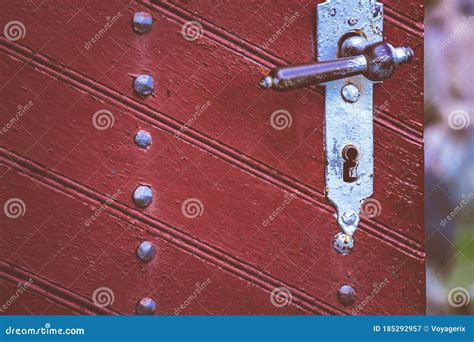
column 377, row 62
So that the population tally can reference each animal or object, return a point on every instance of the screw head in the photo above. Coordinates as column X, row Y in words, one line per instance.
column 343, row 243
column 143, row 196
column 146, row 306
column 349, row 217
column 142, row 22
column 346, row 295
column 146, row 251
column 266, row 82
column 350, row 93
column 353, row 21
column 143, row 138
column 144, row 85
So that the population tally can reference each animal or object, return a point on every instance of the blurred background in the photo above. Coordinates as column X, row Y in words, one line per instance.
column 449, row 156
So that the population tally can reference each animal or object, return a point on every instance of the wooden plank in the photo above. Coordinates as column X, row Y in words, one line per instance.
column 285, row 31
column 295, row 248
column 18, row 299
column 102, row 255
column 292, row 152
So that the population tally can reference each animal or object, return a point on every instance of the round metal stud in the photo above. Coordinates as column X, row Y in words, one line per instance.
column 350, row 93
column 343, row 243
column 143, row 138
column 266, row 82
column 144, row 85
column 349, row 217
column 142, row 22
column 143, row 195
column 146, row 306
column 346, row 295
column 146, row 251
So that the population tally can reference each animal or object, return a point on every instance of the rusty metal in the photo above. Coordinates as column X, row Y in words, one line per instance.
column 142, row 22
column 377, row 63
column 146, row 306
column 346, row 295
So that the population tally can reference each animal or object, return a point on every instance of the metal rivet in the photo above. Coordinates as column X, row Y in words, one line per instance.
column 343, row 243
column 346, row 295
column 143, row 138
column 143, row 196
column 349, row 217
column 146, row 306
column 353, row 21
column 266, row 82
column 350, row 93
column 332, row 12
column 146, row 251
column 142, row 22
column 144, row 85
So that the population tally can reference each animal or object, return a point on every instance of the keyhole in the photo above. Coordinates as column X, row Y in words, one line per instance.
column 350, row 154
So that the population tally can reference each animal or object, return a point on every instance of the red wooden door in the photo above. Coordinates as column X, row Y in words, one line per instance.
column 238, row 216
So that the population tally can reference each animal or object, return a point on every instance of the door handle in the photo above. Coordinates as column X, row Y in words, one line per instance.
column 376, row 61
column 351, row 57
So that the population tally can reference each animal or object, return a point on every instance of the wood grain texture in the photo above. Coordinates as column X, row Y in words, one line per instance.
column 230, row 158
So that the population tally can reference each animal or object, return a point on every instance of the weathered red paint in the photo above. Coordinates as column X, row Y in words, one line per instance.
column 230, row 158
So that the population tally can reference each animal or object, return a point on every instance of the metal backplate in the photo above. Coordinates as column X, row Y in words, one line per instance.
column 347, row 122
